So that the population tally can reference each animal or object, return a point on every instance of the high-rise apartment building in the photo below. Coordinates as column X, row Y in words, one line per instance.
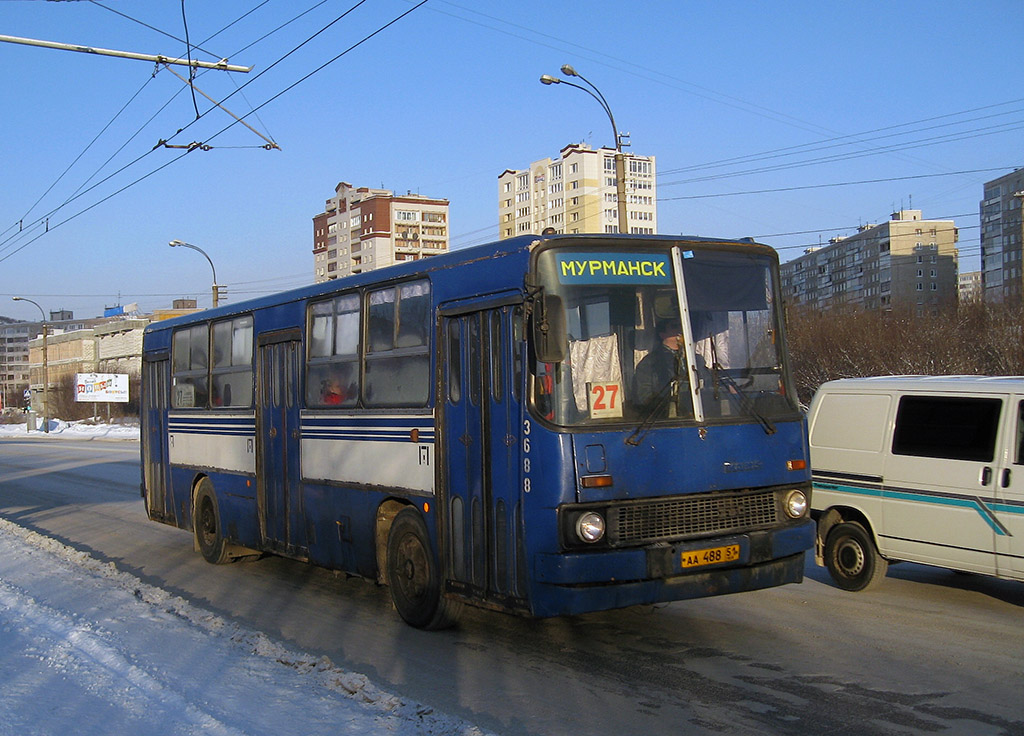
column 969, row 286
column 576, row 193
column 362, row 229
column 1002, row 228
column 905, row 263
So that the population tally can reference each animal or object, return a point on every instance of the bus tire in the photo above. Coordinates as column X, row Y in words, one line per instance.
column 414, row 577
column 852, row 558
column 206, row 522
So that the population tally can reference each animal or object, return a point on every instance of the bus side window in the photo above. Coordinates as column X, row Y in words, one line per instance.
column 397, row 356
column 232, row 378
column 332, row 367
column 190, row 347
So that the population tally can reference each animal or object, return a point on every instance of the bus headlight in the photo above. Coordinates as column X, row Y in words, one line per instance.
column 795, row 504
column 590, row 527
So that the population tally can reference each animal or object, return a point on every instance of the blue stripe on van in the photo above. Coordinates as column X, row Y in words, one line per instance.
column 986, row 508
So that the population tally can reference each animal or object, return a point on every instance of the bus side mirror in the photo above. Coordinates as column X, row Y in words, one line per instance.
column 550, row 337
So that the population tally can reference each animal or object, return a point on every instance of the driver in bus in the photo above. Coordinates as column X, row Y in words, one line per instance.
column 661, row 379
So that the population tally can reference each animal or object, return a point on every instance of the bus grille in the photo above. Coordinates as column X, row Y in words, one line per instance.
column 692, row 516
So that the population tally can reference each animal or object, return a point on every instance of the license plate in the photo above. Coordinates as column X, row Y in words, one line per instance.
column 710, row 556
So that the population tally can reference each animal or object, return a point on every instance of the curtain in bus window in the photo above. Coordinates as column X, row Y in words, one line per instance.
column 320, row 321
column 346, row 336
column 593, row 361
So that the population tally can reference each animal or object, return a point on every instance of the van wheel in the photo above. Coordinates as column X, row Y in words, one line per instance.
column 852, row 558
column 206, row 521
column 413, row 575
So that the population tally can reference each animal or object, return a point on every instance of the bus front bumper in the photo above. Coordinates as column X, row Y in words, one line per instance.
column 573, row 583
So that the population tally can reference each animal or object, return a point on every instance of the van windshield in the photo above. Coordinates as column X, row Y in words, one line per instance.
column 631, row 356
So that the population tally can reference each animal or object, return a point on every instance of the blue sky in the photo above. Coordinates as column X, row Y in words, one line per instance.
column 791, row 122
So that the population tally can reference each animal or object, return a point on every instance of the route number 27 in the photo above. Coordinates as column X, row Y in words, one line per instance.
column 605, row 400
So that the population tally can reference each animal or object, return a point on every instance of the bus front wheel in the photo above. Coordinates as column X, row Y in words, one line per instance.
column 206, row 520
column 413, row 575
column 852, row 558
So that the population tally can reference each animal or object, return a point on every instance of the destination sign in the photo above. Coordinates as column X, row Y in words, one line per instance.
column 613, row 268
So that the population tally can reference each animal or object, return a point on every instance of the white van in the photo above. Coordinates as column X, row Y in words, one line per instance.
column 925, row 469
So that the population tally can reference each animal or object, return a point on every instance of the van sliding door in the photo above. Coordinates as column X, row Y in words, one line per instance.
column 941, row 479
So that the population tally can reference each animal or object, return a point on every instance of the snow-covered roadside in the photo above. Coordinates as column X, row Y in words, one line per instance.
column 59, row 429
column 88, row 649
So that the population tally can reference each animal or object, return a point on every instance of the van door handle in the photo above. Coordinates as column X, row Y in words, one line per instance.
column 986, row 475
column 1005, row 481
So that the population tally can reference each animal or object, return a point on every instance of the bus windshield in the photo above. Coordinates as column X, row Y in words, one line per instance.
column 633, row 358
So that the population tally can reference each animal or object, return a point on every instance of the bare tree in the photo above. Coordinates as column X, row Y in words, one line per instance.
column 974, row 339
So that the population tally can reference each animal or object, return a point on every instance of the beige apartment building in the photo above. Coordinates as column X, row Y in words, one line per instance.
column 905, row 263
column 576, row 193
column 362, row 229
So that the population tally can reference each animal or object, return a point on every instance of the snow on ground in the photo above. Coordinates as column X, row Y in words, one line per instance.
column 59, row 429
column 88, row 649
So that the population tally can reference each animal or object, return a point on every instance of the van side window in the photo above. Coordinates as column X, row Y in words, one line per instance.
column 952, row 428
column 1019, row 456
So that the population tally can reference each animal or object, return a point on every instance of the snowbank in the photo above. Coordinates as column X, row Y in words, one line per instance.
column 88, row 649
column 59, row 429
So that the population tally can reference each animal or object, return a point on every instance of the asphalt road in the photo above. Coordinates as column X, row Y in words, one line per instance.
column 929, row 651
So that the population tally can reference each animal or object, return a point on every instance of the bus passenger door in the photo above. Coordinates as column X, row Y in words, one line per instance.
column 280, row 493
column 156, row 399
column 482, row 440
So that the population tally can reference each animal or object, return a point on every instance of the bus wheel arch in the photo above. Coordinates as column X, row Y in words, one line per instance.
column 413, row 573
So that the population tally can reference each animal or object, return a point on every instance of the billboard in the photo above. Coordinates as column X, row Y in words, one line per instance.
column 101, row 387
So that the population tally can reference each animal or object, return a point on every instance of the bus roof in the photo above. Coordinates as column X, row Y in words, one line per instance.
column 497, row 249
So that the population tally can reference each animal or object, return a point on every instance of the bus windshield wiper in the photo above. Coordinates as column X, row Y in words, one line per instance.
column 654, row 408
column 657, row 403
column 735, row 393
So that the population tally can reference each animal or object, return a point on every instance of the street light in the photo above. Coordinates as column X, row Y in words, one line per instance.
column 216, row 289
column 620, row 161
column 46, row 367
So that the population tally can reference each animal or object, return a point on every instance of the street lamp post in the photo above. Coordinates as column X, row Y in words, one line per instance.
column 46, row 367
column 620, row 160
column 216, row 288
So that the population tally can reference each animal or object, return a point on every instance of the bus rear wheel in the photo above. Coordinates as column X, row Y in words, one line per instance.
column 852, row 558
column 413, row 575
column 206, row 520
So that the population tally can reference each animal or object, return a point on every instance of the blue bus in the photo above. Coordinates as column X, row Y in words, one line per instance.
column 543, row 426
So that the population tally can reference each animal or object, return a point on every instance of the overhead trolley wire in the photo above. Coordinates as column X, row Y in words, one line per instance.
column 366, row 38
column 5, row 245
column 20, row 222
column 839, row 140
column 827, row 186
